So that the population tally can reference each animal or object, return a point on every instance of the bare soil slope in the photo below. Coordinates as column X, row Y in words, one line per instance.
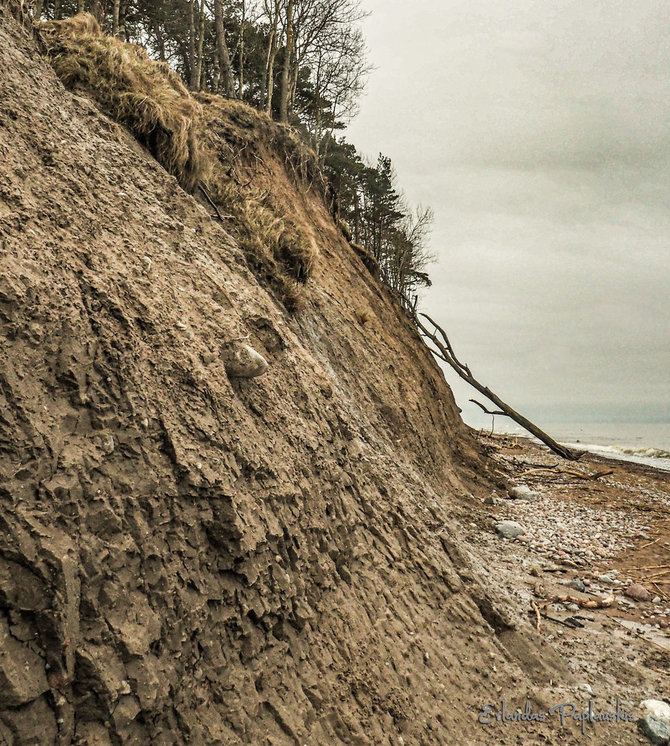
column 188, row 558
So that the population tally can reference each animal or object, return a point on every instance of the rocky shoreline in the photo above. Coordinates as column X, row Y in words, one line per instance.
column 583, row 549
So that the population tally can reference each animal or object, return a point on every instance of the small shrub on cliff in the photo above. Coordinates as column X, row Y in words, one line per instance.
column 146, row 96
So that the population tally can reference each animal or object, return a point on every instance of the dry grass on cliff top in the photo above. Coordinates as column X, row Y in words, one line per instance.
column 198, row 140
column 146, row 96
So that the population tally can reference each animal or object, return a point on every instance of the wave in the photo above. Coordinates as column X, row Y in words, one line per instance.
column 647, row 452
column 627, row 450
column 656, row 457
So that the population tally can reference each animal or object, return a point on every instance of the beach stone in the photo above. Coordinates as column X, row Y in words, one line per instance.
column 656, row 707
column 638, row 592
column 655, row 729
column 521, row 492
column 242, row 361
column 509, row 529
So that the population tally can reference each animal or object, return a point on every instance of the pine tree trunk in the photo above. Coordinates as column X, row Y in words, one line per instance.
column 269, row 73
column 293, row 87
column 192, row 69
column 116, row 10
column 80, row 6
column 160, row 42
column 123, row 11
column 357, row 217
column 201, row 40
column 240, row 53
column 286, row 69
column 264, row 77
column 222, row 51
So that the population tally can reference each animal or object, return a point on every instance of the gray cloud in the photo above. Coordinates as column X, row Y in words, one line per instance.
column 539, row 133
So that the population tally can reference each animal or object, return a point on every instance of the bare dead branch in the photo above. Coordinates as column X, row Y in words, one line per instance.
column 205, row 194
column 488, row 411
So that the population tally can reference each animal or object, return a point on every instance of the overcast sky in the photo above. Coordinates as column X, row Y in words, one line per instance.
column 539, row 132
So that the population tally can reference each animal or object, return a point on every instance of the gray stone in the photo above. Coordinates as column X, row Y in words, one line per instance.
column 577, row 584
column 638, row 592
column 242, row 361
column 521, row 492
column 509, row 529
column 658, row 708
column 655, row 729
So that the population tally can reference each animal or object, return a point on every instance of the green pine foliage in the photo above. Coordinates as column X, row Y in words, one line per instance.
column 366, row 198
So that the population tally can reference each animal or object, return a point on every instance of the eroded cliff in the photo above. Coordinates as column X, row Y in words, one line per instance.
column 191, row 558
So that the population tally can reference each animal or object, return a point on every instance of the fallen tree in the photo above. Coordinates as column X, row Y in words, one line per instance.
column 442, row 349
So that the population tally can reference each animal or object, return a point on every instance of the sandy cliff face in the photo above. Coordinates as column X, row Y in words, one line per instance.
column 191, row 558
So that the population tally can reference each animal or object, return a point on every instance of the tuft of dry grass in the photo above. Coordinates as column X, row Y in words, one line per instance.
column 345, row 230
column 362, row 316
column 239, row 140
column 146, row 96
column 277, row 252
column 251, row 131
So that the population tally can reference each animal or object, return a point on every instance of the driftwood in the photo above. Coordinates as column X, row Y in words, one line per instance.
column 441, row 348
column 591, row 603
column 538, row 625
column 539, row 469
column 587, row 477
column 644, row 546
column 570, row 472
column 595, row 602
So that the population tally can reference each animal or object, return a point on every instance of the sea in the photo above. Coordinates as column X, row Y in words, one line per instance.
column 642, row 443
